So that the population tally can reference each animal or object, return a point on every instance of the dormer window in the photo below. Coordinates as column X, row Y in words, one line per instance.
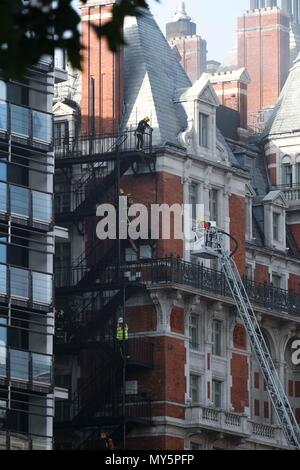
column 203, row 130
column 275, row 206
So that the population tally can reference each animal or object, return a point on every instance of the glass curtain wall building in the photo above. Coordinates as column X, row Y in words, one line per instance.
column 26, row 260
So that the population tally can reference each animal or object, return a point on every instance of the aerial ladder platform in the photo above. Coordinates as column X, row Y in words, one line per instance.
column 213, row 243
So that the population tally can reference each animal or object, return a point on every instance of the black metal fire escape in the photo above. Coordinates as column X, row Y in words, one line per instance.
column 95, row 279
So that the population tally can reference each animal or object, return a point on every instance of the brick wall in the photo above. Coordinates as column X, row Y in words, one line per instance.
column 106, row 69
column 166, row 381
column 193, row 55
column 263, row 48
column 177, row 320
column 261, row 274
column 294, row 283
column 239, row 337
column 295, row 229
column 239, row 389
column 161, row 188
column 140, row 319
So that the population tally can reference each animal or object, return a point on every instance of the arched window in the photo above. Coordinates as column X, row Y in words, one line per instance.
column 287, row 171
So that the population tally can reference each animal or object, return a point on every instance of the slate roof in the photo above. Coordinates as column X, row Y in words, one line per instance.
column 154, row 80
column 286, row 115
column 152, row 76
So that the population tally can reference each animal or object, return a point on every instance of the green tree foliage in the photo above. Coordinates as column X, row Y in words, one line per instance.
column 31, row 28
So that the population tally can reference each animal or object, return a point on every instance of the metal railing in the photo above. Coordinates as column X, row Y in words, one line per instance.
column 26, row 203
column 26, row 366
column 290, row 191
column 167, row 271
column 82, row 146
column 26, row 284
column 10, row 440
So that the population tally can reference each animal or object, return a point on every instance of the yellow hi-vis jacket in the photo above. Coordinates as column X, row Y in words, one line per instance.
column 122, row 333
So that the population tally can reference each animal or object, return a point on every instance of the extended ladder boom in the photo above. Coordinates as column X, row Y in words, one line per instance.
column 215, row 244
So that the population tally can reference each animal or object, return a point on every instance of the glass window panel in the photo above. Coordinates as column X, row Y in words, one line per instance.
column 19, row 200
column 19, row 282
column 41, row 206
column 3, row 409
column 3, row 250
column 213, row 205
column 3, row 171
column 194, row 388
column 194, row 332
column 42, row 126
column 20, row 120
column 194, row 199
column 17, row 93
column 203, row 130
column 3, row 279
column 60, row 133
column 3, row 361
column 19, row 364
column 287, row 172
column 276, row 222
column 276, row 281
column 3, row 197
column 217, row 338
column 3, row 115
column 3, row 344
column 42, row 287
column 41, row 368
column 216, row 393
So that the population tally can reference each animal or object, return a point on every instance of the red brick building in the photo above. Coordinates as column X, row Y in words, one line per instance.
column 192, row 381
column 190, row 47
column 263, row 49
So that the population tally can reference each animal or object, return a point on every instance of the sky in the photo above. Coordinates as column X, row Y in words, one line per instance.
column 216, row 21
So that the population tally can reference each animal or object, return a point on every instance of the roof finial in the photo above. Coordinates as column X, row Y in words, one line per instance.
column 180, row 13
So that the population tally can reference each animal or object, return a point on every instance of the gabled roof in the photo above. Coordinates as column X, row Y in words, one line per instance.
column 152, row 76
column 201, row 90
column 61, row 108
column 286, row 115
column 275, row 197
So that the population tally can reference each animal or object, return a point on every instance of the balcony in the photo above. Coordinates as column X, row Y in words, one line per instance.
column 26, row 204
column 176, row 272
column 236, row 425
column 20, row 441
column 32, row 369
column 291, row 192
column 26, row 123
column 26, row 285
column 84, row 148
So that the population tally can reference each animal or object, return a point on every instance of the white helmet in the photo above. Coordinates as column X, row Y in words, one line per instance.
column 121, row 320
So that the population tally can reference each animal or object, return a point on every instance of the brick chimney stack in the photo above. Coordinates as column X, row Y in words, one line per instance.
column 102, row 75
column 263, row 49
